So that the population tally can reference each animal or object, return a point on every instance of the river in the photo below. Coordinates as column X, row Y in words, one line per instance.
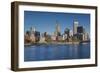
column 45, row 52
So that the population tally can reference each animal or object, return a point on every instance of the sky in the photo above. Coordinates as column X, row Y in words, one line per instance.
column 46, row 21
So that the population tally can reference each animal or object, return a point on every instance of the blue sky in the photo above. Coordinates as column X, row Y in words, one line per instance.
column 46, row 21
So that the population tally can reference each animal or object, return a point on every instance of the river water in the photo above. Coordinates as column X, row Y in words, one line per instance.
column 56, row 52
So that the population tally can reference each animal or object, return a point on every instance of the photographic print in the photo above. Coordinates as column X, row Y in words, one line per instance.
column 51, row 36
column 56, row 36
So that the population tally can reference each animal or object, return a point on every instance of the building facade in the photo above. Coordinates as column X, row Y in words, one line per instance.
column 75, row 25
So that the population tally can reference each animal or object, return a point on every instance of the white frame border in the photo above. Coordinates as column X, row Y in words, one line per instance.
column 23, row 64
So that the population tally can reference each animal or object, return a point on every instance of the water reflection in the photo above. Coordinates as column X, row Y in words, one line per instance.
column 56, row 52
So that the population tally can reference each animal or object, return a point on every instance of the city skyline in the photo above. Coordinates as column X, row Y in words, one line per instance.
column 46, row 21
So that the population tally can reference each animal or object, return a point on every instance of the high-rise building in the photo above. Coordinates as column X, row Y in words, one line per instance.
column 57, row 32
column 71, row 33
column 57, row 27
column 32, row 38
column 32, row 34
column 42, row 38
column 37, row 36
column 82, row 35
column 75, row 25
column 80, row 29
column 86, row 36
column 27, row 37
column 32, row 30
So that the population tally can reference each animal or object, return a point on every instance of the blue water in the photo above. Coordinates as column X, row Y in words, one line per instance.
column 56, row 52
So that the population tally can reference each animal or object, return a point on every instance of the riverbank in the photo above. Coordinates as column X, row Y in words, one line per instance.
column 55, row 43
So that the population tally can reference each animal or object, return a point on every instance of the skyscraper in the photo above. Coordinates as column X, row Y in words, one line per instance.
column 80, row 29
column 32, row 34
column 71, row 33
column 57, row 32
column 32, row 30
column 75, row 25
column 57, row 28
column 85, row 37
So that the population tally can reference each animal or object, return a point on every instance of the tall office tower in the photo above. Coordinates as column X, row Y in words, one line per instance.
column 32, row 29
column 80, row 32
column 32, row 34
column 57, row 29
column 86, row 36
column 71, row 33
column 75, row 25
column 80, row 29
